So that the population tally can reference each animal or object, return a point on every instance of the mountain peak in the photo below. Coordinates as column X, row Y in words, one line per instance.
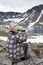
column 38, row 7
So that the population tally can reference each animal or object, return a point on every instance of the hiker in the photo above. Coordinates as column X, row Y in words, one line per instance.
column 16, row 46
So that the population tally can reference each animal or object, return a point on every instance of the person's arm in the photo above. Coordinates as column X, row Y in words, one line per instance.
column 24, row 37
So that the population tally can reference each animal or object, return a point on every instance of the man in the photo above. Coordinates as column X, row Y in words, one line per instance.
column 16, row 48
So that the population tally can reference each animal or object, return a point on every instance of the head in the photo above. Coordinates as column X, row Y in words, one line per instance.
column 13, row 27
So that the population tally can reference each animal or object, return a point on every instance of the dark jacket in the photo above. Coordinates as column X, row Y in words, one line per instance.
column 15, row 45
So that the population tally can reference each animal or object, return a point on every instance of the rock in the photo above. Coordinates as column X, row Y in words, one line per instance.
column 21, row 63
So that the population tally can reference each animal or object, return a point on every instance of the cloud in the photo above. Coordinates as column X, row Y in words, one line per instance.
column 18, row 5
column 5, row 8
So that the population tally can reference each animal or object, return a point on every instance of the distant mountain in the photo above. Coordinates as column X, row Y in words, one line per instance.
column 7, row 15
column 32, row 19
column 30, row 13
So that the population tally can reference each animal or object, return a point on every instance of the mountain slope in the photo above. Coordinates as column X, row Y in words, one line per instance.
column 32, row 19
column 32, row 15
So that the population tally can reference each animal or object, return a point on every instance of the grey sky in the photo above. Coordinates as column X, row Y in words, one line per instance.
column 18, row 5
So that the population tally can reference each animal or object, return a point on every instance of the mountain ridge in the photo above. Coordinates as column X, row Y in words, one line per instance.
column 32, row 19
column 18, row 14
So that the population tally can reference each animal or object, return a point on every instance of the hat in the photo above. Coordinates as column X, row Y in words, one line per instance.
column 13, row 26
column 13, row 23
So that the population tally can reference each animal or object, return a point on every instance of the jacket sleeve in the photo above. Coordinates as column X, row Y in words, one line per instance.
column 24, row 37
column 9, row 36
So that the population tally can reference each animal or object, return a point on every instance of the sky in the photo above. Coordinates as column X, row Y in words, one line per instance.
column 18, row 5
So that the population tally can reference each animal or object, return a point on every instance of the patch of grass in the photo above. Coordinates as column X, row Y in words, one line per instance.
column 1, row 41
column 3, row 33
column 1, row 23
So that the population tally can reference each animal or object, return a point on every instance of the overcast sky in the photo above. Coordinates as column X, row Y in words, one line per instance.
column 18, row 5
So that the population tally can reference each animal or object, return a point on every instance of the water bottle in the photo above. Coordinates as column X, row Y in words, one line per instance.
column 21, row 30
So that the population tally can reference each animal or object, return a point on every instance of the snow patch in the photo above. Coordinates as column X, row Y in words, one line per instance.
column 38, row 39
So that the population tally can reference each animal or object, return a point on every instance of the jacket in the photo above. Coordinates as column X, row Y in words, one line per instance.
column 15, row 44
